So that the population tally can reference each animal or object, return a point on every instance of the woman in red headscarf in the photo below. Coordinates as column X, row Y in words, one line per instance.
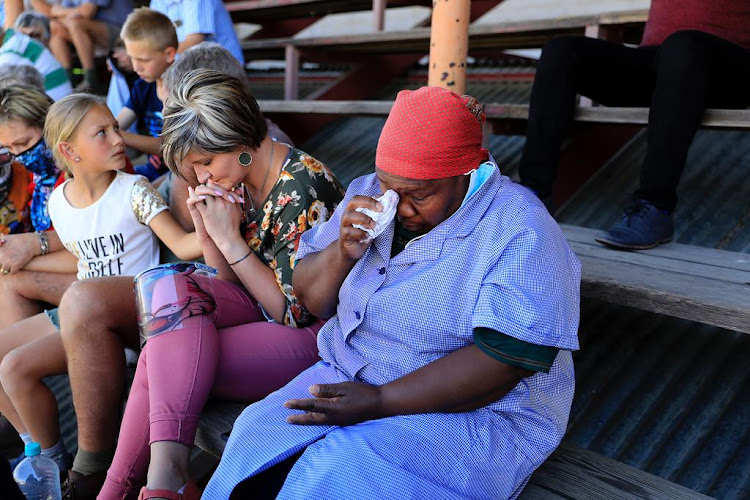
column 453, row 301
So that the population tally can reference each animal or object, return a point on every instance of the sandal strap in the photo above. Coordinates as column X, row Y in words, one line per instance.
column 171, row 495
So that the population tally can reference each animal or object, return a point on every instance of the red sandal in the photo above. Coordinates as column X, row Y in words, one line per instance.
column 191, row 493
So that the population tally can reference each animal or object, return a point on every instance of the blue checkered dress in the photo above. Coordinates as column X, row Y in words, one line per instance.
column 499, row 262
column 208, row 17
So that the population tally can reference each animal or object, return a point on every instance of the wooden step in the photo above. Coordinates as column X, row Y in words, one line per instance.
column 727, row 119
column 513, row 35
column 694, row 283
column 255, row 11
column 570, row 472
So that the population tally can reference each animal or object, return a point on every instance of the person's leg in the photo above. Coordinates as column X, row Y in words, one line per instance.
column 59, row 43
column 22, row 294
column 694, row 69
column 98, row 318
column 86, row 35
column 11, row 338
column 21, row 372
column 170, row 396
column 608, row 73
column 254, row 360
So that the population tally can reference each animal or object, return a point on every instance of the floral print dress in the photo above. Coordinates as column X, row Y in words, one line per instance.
column 304, row 196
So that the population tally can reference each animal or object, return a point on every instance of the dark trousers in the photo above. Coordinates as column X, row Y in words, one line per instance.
column 678, row 80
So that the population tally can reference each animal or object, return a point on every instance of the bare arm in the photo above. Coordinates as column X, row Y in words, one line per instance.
column 184, row 245
column 13, row 9
column 41, row 6
column 144, row 143
column 85, row 10
column 464, row 380
column 220, row 219
column 56, row 262
column 318, row 276
column 17, row 250
column 125, row 118
column 189, row 41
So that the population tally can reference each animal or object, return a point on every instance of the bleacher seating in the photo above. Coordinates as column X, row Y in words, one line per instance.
column 699, row 284
column 496, row 36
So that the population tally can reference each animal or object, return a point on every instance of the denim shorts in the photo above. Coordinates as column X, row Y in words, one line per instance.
column 53, row 317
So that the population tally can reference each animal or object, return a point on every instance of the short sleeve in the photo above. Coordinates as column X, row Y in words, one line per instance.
column 198, row 17
column 146, row 201
column 514, row 352
column 137, row 98
column 532, row 291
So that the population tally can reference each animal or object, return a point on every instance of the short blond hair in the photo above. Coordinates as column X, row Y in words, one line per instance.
column 150, row 26
column 24, row 103
column 209, row 112
column 63, row 119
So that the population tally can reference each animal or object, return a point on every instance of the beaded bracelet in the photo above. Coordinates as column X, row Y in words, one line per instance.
column 43, row 242
column 243, row 258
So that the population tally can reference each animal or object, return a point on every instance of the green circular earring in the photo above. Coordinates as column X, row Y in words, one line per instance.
column 245, row 158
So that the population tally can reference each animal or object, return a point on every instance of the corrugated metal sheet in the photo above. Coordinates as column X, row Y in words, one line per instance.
column 713, row 209
column 664, row 395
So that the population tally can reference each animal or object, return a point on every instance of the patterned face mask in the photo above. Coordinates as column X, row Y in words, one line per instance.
column 6, row 173
column 38, row 160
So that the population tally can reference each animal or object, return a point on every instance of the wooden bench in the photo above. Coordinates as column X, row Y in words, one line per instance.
column 728, row 119
column 499, row 36
column 257, row 11
column 570, row 472
column 699, row 284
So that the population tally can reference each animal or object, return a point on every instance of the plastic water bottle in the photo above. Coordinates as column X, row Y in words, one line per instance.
column 38, row 476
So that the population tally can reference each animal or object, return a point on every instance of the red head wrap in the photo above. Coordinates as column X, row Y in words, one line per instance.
column 431, row 133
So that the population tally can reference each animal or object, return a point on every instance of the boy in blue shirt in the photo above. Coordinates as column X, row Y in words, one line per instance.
column 151, row 42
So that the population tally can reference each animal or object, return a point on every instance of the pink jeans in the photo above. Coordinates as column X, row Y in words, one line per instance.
column 233, row 354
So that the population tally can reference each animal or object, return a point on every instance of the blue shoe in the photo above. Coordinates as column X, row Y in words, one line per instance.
column 642, row 226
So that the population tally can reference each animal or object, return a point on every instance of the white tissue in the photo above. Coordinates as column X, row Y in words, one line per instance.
column 389, row 200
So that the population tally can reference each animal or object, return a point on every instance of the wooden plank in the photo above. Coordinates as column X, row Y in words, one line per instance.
column 525, row 34
column 217, row 420
column 264, row 10
column 677, row 251
column 372, row 108
column 572, row 472
column 704, row 285
column 736, row 119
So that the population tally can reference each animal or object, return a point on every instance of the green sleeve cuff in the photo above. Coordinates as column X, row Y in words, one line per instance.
column 514, row 352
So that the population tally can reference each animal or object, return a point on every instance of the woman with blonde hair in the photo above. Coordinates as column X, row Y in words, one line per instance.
column 242, row 334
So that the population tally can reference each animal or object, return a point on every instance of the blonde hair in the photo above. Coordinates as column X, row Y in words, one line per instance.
column 150, row 26
column 209, row 112
column 63, row 119
column 24, row 103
